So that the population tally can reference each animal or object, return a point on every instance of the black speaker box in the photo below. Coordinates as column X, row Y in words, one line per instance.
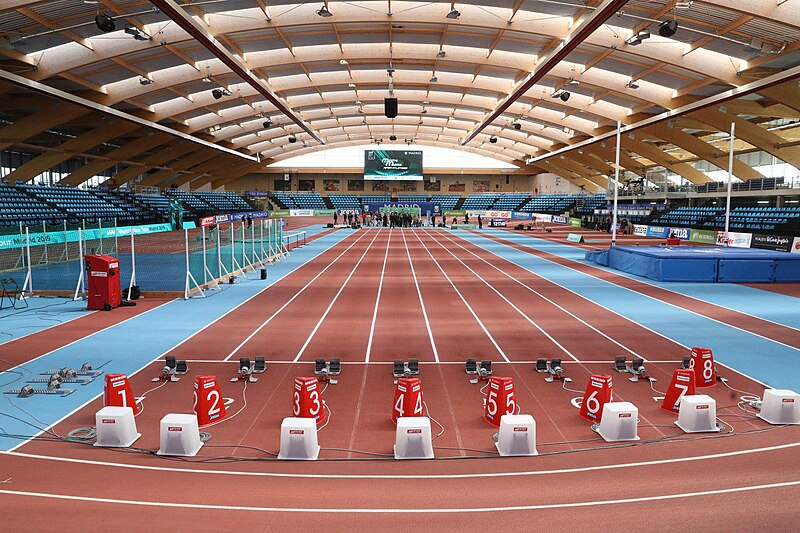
column 390, row 107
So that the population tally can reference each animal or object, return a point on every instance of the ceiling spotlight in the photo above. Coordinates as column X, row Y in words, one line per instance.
column 219, row 93
column 420, row 122
column 343, row 62
column 454, row 13
column 632, row 85
column 145, row 81
column 493, row 139
column 392, row 138
column 440, row 54
column 351, row 85
column 206, row 80
column 267, row 123
column 684, row 4
column 324, row 11
column 563, row 95
column 573, row 81
column 516, row 124
column 361, row 110
column 104, row 22
column 138, row 34
column 668, row 28
column 292, row 139
column 434, row 79
column 637, row 39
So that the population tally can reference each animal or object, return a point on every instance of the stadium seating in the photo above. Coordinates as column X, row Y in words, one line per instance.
column 549, row 203
column 446, row 201
column 480, row 201
column 510, row 201
column 412, row 198
column 79, row 204
column 344, row 201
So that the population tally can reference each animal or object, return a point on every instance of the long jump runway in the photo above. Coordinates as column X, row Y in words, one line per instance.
column 385, row 294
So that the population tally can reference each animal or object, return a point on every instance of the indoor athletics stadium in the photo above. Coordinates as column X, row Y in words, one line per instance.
column 394, row 265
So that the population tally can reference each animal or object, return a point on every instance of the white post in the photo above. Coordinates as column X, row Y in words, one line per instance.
column 133, row 265
column 66, row 244
column 730, row 180
column 100, row 230
column 44, row 258
column 219, row 252
column 27, row 287
column 79, row 288
column 616, row 187
column 189, row 277
column 205, row 264
column 116, row 234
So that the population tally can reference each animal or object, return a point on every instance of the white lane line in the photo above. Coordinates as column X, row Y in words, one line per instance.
column 421, row 302
column 346, row 363
column 395, row 510
column 378, row 299
column 336, row 297
column 540, row 295
column 329, row 475
column 90, row 400
column 298, row 293
column 466, row 304
column 676, row 306
column 506, row 300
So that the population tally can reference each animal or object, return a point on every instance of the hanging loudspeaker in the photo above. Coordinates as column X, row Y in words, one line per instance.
column 390, row 107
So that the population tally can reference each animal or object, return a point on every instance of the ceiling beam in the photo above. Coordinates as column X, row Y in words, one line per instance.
column 548, row 62
column 201, row 35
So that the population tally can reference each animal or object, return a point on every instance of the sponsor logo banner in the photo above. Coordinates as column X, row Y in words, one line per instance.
column 301, row 212
column 543, row 217
column 796, row 246
column 575, row 222
column 703, row 235
column 491, row 214
column 8, row 242
column 640, row 230
column 279, row 213
column 779, row 243
column 557, row 219
column 575, row 237
column 235, row 217
column 405, row 207
column 455, row 213
column 679, row 233
column 736, row 240
column 324, row 212
column 521, row 216
column 658, row 232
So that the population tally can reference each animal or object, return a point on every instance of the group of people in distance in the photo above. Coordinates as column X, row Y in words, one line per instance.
column 394, row 219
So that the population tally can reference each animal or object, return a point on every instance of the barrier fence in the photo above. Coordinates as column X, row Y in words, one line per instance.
column 50, row 258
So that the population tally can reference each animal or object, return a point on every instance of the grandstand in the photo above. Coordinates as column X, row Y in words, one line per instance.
column 510, row 201
column 345, row 201
column 479, row 201
column 550, row 203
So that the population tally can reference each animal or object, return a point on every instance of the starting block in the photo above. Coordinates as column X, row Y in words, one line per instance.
column 325, row 369
column 299, row 439
column 404, row 369
column 27, row 391
column 86, row 371
column 116, row 427
column 247, row 369
column 517, row 436
column 172, row 369
column 482, row 369
column 413, row 438
column 636, row 368
column 552, row 367
column 780, row 406
column 180, row 435
column 698, row 414
column 619, row 422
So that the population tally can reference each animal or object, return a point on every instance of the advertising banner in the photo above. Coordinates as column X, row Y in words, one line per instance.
column 796, row 246
column 737, row 240
column 324, row 212
column 703, row 236
column 279, row 213
column 543, row 217
column 423, row 207
column 455, row 213
column 557, row 219
column 641, row 231
column 658, row 232
column 575, row 222
column 779, row 243
column 301, row 212
column 521, row 216
column 679, row 233
column 58, row 237
column 393, row 164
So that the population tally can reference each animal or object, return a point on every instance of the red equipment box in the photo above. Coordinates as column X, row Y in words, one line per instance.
column 102, row 280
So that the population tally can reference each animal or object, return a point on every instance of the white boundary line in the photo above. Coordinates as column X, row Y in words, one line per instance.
column 466, row 304
column 377, row 299
column 537, row 293
column 663, row 301
column 268, row 320
column 345, row 363
column 90, row 400
column 506, row 300
column 338, row 510
column 474, row 475
column 336, row 297
column 421, row 302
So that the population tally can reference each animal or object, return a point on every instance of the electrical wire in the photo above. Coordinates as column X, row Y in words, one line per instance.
column 244, row 402
column 741, row 391
column 325, row 406
column 428, row 412
column 654, row 389
column 564, row 386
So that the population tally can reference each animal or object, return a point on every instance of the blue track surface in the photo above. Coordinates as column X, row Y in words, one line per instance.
column 166, row 326
column 763, row 304
column 770, row 362
column 40, row 314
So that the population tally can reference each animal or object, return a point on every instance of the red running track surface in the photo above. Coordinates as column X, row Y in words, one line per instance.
column 399, row 294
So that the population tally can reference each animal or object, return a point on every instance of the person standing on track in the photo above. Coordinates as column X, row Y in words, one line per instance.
column 335, row 218
column 480, row 222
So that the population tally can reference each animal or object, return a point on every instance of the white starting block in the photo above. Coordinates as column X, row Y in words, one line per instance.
column 116, row 427
column 299, row 439
column 413, row 438
column 180, row 435
column 517, row 436
column 619, row 422
column 780, row 406
column 698, row 414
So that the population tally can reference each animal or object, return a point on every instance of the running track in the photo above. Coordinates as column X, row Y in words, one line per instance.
column 385, row 294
